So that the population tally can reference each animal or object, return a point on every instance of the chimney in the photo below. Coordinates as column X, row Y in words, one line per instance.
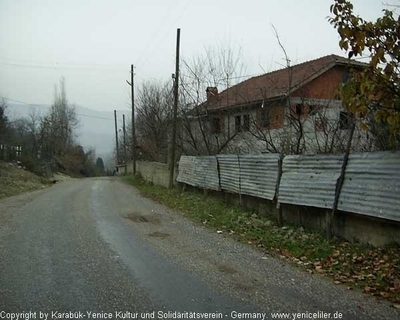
column 212, row 93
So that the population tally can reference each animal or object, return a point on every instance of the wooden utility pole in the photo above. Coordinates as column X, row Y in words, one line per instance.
column 124, row 131
column 133, row 153
column 174, row 124
column 116, row 135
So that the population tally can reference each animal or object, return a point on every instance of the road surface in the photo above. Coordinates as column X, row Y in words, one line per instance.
column 98, row 247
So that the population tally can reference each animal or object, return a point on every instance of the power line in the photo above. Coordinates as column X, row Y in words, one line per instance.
column 96, row 117
column 42, row 62
column 17, row 101
column 156, row 32
column 36, row 105
column 142, row 59
column 60, row 67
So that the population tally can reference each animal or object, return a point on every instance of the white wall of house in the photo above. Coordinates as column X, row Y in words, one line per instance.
column 323, row 131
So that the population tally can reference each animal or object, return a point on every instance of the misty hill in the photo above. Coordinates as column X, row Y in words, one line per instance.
column 96, row 128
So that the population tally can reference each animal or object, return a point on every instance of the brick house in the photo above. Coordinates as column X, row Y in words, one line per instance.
column 291, row 110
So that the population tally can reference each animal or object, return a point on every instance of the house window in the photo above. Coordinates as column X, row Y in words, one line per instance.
column 238, row 126
column 264, row 118
column 345, row 120
column 299, row 109
column 216, row 125
column 246, row 122
column 314, row 110
column 242, row 124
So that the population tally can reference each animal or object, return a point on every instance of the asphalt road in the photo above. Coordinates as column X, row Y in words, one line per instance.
column 96, row 245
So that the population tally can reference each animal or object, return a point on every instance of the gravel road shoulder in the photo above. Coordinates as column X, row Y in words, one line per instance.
column 242, row 272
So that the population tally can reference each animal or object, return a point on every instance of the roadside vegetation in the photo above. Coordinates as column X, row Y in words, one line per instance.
column 46, row 144
column 376, row 271
column 15, row 180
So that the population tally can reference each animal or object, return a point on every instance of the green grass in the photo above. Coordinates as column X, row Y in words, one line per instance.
column 242, row 223
column 376, row 270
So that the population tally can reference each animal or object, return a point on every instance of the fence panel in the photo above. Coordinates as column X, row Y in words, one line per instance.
column 310, row 180
column 229, row 172
column 201, row 172
column 259, row 174
column 372, row 185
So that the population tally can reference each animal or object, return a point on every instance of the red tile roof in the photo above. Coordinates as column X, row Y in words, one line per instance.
column 276, row 84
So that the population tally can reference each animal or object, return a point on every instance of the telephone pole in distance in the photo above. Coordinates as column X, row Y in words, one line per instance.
column 116, row 135
column 133, row 153
column 124, row 132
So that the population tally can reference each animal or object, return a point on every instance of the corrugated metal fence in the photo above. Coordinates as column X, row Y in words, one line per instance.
column 253, row 175
column 310, row 180
column 201, row 172
column 371, row 185
column 259, row 175
column 229, row 172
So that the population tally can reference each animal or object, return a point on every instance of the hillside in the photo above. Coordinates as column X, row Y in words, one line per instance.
column 15, row 180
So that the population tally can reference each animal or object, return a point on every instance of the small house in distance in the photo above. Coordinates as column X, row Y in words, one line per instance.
column 294, row 110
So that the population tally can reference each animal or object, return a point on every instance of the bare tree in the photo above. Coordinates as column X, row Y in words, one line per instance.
column 154, row 113
column 205, row 130
column 48, row 142
column 57, row 131
column 308, row 126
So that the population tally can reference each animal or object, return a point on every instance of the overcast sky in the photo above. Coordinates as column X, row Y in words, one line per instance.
column 93, row 42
